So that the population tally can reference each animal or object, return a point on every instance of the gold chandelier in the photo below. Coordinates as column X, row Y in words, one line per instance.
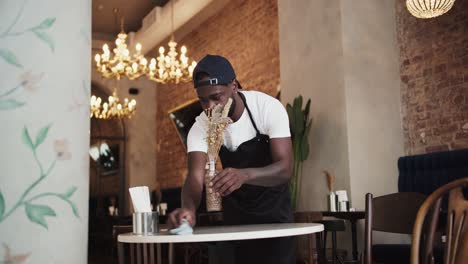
column 428, row 8
column 112, row 108
column 169, row 68
column 121, row 63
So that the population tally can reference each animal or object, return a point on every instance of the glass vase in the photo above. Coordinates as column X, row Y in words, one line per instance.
column 213, row 201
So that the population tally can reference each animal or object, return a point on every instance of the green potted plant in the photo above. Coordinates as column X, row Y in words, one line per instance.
column 300, row 124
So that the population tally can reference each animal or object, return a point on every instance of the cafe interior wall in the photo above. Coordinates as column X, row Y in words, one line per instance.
column 44, row 93
column 344, row 57
column 140, row 129
column 434, row 79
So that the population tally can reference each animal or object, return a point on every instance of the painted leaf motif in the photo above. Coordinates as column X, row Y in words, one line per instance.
column 70, row 191
column 45, row 38
column 2, row 205
column 46, row 23
column 37, row 213
column 86, row 88
column 9, row 104
column 75, row 209
column 26, row 138
column 10, row 58
column 40, row 137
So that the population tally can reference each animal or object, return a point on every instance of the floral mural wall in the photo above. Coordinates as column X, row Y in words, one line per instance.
column 44, row 119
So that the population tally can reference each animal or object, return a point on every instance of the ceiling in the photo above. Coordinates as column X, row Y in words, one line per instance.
column 104, row 19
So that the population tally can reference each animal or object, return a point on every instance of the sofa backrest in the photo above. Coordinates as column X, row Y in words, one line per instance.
column 426, row 172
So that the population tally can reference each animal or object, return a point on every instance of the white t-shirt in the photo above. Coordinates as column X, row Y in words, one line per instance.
column 268, row 113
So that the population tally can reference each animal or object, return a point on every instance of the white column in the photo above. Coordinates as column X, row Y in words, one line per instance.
column 343, row 55
column 44, row 115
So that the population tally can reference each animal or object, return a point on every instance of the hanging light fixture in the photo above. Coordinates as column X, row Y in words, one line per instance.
column 113, row 108
column 168, row 68
column 428, row 8
column 121, row 63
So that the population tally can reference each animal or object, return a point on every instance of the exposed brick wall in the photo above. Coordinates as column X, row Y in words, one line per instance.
column 434, row 75
column 246, row 32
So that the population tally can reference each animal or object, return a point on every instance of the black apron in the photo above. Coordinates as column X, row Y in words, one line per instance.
column 252, row 204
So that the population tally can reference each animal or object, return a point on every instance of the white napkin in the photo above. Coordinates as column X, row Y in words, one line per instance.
column 183, row 229
column 342, row 195
column 140, row 199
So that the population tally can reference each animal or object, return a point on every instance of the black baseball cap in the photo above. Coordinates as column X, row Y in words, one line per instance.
column 218, row 68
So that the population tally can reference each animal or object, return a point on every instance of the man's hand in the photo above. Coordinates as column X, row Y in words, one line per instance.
column 176, row 216
column 228, row 180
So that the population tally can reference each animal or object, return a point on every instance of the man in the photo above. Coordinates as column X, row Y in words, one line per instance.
column 256, row 157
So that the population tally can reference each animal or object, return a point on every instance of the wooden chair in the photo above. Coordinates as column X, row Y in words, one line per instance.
column 308, row 246
column 135, row 253
column 456, row 247
column 393, row 213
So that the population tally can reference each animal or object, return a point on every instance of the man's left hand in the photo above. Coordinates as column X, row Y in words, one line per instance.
column 228, row 180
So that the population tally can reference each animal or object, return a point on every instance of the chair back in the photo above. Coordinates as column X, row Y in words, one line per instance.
column 393, row 213
column 456, row 247
column 134, row 253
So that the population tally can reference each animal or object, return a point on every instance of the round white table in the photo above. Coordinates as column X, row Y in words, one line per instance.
column 224, row 233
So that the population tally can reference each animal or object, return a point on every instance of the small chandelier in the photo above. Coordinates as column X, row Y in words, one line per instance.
column 169, row 68
column 428, row 8
column 113, row 108
column 121, row 63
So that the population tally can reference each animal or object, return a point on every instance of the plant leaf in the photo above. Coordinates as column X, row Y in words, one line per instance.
column 307, row 110
column 2, row 205
column 46, row 23
column 304, row 147
column 298, row 102
column 45, row 38
column 70, row 191
column 37, row 213
column 26, row 138
column 10, row 104
column 40, row 137
column 298, row 122
column 10, row 58
column 75, row 209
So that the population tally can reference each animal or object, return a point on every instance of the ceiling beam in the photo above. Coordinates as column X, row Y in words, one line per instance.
column 188, row 15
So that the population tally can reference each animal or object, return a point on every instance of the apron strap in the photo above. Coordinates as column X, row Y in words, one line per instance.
column 248, row 111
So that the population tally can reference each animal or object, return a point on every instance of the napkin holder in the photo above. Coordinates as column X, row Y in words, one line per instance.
column 145, row 223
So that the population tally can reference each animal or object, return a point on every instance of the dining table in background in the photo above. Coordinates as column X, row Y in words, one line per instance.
column 352, row 217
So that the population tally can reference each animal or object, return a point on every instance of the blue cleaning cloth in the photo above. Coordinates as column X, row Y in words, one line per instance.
column 183, row 229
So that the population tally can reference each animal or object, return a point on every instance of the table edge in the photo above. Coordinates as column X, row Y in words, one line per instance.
column 246, row 235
